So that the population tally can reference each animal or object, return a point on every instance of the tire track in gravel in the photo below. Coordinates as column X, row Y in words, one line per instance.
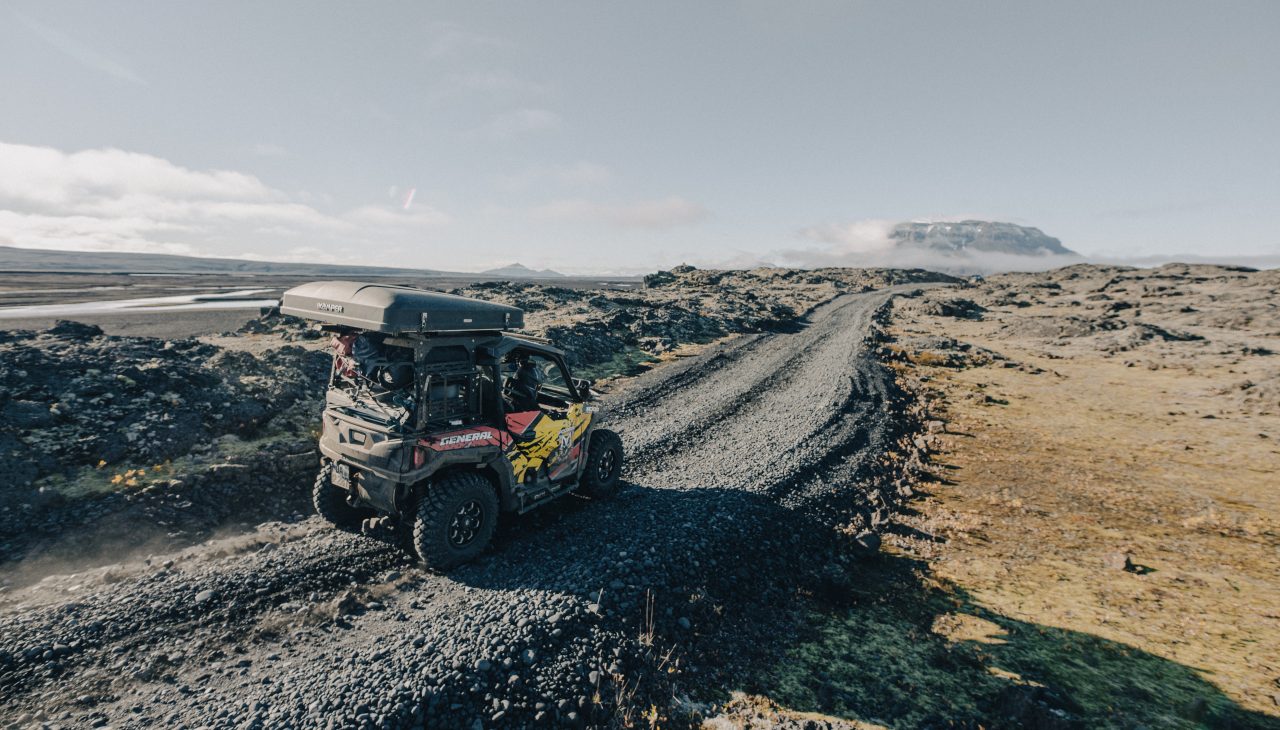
column 661, row 414
column 783, row 419
column 727, row 448
column 651, row 439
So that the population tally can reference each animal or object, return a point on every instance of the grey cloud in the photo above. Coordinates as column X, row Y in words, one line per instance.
column 580, row 174
column 518, row 122
column 446, row 39
column 665, row 213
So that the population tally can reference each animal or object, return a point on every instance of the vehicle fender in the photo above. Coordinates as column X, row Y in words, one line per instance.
column 377, row 492
column 498, row 469
column 593, row 426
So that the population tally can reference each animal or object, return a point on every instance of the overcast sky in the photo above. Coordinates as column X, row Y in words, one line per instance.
column 610, row 136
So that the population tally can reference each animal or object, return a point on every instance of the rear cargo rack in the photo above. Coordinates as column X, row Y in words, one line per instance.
column 450, row 393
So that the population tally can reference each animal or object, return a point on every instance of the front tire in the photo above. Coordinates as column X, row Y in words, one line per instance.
column 604, row 465
column 331, row 502
column 455, row 520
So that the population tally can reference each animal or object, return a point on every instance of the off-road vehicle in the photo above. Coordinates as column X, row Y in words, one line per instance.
column 438, row 417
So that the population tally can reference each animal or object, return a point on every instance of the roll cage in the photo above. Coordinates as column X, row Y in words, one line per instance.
column 458, row 381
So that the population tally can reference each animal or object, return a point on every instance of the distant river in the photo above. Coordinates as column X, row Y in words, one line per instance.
column 245, row 299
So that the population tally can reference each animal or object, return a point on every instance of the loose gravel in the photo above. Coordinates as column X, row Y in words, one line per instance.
column 752, row 469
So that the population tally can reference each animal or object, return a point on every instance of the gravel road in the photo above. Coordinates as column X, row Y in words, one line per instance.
column 743, row 462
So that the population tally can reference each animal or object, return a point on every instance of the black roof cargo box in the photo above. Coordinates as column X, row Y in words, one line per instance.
column 396, row 309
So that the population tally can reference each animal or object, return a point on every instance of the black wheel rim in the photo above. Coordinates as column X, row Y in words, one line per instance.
column 466, row 523
column 608, row 460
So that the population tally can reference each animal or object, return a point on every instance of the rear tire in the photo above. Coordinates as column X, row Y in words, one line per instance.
column 331, row 502
column 604, row 465
column 454, row 520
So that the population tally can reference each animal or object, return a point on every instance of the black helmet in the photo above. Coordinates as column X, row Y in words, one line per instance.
column 397, row 376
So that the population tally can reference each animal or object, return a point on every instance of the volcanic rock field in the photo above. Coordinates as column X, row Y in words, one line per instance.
column 795, row 543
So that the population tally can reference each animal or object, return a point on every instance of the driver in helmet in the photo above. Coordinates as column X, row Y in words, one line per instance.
column 522, row 387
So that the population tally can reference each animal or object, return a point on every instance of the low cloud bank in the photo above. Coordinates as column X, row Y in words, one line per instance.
column 113, row 200
column 963, row 264
column 1259, row 261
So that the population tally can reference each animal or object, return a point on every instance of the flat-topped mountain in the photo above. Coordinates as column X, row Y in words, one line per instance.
column 968, row 236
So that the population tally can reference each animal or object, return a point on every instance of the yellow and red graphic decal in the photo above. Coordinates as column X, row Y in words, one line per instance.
column 532, row 440
column 542, row 440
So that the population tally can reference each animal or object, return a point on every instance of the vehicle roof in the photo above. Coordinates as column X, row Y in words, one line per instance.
column 513, row 340
column 396, row 309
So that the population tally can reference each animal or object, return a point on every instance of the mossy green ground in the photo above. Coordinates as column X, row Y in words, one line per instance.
column 627, row 361
column 911, row 653
column 88, row 481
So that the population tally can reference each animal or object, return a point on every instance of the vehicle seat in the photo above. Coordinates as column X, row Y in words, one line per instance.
column 488, row 397
column 522, row 425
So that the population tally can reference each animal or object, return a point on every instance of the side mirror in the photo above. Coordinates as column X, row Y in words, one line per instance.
column 583, row 386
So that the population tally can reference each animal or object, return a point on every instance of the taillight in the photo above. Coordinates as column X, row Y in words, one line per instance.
column 419, row 457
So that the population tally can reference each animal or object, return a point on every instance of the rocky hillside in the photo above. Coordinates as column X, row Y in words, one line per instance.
column 118, row 441
column 1226, row 310
column 72, row 397
column 610, row 331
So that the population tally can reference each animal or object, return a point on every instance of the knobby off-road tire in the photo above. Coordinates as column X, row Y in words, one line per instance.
column 604, row 465
column 455, row 520
column 331, row 502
